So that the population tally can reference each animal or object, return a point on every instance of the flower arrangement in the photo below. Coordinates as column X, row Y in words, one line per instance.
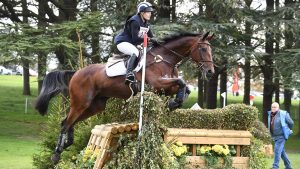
column 178, row 149
column 87, row 157
column 212, row 154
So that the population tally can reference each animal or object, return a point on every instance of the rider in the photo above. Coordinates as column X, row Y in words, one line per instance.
column 132, row 35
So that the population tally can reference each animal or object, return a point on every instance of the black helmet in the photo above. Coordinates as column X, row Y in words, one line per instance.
column 144, row 7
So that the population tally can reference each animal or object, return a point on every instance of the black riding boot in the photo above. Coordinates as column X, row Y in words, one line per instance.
column 130, row 66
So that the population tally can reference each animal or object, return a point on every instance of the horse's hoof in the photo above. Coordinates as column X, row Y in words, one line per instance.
column 55, row 158
column 173, row 105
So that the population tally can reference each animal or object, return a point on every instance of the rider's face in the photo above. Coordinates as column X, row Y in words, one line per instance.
column 146, row 15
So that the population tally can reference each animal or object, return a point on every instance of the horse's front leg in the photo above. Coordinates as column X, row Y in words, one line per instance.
column 171, row 86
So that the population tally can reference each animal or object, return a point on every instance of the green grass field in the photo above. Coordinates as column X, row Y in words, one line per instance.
column 19, row 131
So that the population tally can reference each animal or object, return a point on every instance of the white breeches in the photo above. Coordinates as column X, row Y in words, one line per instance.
column 128, row 48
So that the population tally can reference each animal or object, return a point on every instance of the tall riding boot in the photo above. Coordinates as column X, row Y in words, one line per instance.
column 130, row 66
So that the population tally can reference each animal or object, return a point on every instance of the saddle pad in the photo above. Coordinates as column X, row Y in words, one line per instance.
column 116, row 67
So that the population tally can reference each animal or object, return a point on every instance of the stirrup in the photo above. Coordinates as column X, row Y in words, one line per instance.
column 130, row 78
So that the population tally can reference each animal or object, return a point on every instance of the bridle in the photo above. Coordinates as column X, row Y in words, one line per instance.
column 199, row 64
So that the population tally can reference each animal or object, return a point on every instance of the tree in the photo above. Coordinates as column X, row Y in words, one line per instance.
column 267, row 66
column 289, row 40
column 42, row 56
column 247, row 65
column 25, row 61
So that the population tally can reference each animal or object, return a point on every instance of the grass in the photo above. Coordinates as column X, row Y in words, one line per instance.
column 17, row 153
column 19, row 131
column 293, row 157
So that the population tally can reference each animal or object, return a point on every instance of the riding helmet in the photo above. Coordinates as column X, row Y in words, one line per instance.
column 144, row 7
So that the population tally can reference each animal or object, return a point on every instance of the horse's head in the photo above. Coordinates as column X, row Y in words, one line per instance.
column 177, row 47
column 201, row 53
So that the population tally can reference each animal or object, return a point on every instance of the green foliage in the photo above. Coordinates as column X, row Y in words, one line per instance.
column 235, row 117
column 257, row 155
column 260, row 131
column 148, row 151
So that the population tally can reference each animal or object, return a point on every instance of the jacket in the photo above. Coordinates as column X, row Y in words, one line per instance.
column 133, row 31
column 282, row 125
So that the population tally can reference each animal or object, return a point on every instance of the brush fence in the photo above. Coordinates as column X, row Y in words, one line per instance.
column 104, row 139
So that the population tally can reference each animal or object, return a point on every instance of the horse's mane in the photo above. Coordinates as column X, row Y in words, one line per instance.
column 176, row 36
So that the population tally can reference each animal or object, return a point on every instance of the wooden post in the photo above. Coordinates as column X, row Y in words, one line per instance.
column 194, row 150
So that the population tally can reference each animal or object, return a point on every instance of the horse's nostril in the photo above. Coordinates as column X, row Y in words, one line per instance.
column 209, row 74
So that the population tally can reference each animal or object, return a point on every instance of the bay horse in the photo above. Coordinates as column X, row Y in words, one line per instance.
column 90, row 88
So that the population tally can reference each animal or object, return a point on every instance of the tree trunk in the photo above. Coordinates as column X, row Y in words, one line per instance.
column 277, row 50
column 277, row 87
column 247, row 66
column 164, row 10
column 200, row 90
column 212, row 87
column 298, row 118
column 223, row 87
column 205, row 90
column 25, row 61
column 288, row 99
column 95, row 39
column 268, row 70
column 289, row 39
column 69, row 14
column 247, row 85
column 42, row 57
column 173, row 11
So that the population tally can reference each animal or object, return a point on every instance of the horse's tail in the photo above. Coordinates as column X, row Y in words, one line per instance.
column 54, row 83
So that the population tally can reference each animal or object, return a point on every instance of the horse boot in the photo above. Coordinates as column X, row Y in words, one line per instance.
column 181, row 96
column 130, row 78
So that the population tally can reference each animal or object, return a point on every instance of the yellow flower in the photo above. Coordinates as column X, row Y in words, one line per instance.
column 178, row 151
column 225, row 151
column 97, row 152
column 179, row 143
column 217, row 148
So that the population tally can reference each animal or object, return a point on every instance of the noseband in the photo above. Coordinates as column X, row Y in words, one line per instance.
column 200, row 64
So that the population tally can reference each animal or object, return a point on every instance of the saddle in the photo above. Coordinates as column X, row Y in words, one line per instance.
column 117, row 64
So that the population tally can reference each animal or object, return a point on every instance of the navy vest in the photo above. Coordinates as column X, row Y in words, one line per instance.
column 133, row 31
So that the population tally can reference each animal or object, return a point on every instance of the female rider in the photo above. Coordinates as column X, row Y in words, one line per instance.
column 132, row 35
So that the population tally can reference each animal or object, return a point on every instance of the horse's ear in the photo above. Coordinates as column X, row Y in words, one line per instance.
column 210, row 37
column 205, row 35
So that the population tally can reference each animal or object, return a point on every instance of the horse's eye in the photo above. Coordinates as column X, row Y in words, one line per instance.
column 202, row 49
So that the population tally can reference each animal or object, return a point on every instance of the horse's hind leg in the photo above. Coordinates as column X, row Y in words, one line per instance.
column 98, row 104
column 66, row 134
column 66, row 137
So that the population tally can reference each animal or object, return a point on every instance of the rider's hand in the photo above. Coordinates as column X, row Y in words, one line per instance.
column 153, row 41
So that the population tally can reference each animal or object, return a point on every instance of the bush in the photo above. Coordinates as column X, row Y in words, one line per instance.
column 149, row 150
column 259, row 131
column 257, row 155
column 232, row 117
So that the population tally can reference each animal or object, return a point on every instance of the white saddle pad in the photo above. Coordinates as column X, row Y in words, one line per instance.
column 116, row 67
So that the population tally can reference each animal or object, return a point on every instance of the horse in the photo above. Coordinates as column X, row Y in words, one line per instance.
column 90, row 87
